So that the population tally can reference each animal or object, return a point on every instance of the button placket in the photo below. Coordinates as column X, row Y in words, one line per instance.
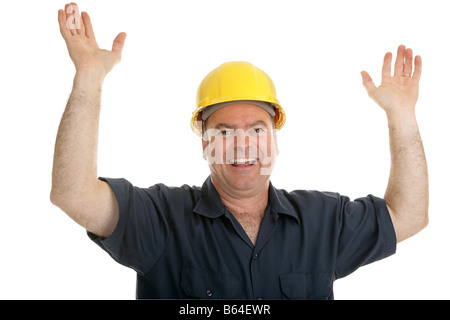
column 267, row 228
column 253, row 273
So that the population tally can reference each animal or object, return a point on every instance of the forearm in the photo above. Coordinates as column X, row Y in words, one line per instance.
column 75, row 158
column 407, row 191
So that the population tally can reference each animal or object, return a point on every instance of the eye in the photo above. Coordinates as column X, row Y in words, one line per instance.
column 225, row 132
column 258, row 130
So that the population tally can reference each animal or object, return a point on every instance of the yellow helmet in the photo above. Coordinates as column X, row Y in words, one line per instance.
column 234, row 81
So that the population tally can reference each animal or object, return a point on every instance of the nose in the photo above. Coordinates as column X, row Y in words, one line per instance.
column 241, row 139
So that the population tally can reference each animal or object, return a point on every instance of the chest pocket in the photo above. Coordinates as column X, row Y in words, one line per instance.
column 299, row 285
column 204, row 285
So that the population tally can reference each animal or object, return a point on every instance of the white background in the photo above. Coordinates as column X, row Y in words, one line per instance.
column 335, row 138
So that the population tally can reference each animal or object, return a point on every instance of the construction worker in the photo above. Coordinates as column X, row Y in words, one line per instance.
column 237, row 236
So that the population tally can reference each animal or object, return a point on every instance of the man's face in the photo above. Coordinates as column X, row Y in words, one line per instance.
column 240, row 147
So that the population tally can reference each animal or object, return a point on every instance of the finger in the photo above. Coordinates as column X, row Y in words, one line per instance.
column 368, row 83
column 74, row 19
column 119, row 43
column 78, row 21
column 63, row 27
column 417, row 68
column 399, row 62
column 408, row 62
column 68, row 13
column 87, row 25
column 386, row 71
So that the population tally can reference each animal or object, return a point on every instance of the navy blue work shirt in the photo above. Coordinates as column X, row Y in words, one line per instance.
column 184, row 243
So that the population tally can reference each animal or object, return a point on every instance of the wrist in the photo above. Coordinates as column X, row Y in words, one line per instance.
column 88, row 78
column 402, row 122
column 401, row 114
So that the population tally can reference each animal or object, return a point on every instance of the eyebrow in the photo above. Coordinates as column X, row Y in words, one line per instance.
column 253, row 124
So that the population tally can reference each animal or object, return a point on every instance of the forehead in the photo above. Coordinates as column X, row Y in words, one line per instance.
column 240, row 114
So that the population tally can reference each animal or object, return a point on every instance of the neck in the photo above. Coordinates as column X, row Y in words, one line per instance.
column 236, row 202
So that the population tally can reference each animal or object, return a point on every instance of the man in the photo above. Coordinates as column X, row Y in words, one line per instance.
column 236, row 237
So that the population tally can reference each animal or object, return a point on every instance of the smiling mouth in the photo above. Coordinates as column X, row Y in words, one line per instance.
column 243, row 162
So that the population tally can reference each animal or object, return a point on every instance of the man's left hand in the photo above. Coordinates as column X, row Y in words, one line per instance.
column 398, row 93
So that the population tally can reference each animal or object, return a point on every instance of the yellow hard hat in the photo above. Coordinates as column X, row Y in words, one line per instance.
column 234, row 81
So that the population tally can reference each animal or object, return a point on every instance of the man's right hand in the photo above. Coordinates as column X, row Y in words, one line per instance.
column 79, row 35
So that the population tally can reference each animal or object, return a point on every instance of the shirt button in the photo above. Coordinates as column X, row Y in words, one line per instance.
column 209, row 293
column 255, row 256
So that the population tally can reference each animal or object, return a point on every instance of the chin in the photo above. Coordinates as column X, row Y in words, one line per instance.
column 239, row 179
column 246, row 182
column 243, row 184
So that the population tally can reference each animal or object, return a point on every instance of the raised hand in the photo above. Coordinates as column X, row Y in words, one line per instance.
column 397, row 93
column 83, row 49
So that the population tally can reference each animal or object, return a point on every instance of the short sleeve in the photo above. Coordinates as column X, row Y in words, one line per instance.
column 366, row 233
column 143, row 227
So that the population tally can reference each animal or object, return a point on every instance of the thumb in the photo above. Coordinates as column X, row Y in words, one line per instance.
column 368, row 83
column 119, row 43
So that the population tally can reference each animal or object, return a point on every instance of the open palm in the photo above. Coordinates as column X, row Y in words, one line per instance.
column 400, row 91
column 79, row 35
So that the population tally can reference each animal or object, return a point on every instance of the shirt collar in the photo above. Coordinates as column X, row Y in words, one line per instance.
column 280, row 203
column 210, row 205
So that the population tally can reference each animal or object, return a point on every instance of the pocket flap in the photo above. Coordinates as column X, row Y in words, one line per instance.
column 206, row 285
column 300, row 285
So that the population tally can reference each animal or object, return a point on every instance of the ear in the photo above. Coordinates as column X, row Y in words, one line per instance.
column 204, row 145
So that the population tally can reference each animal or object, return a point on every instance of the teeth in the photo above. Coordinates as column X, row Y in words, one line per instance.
column 243, row 161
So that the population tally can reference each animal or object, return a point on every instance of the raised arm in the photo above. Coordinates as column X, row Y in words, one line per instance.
column 75, row 187
column 407, row 191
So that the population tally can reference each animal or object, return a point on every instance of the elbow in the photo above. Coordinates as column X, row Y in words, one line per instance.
column 60, row 196
column 53, row 197
column 424, row 221
column 56, row 198
column 66, row 203
column 422, row 216
column 421, row 223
